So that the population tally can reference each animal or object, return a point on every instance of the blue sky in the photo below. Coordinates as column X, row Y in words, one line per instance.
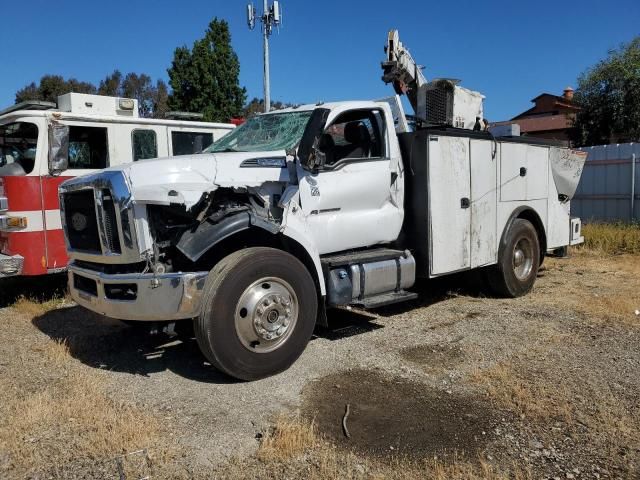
column 509, row 50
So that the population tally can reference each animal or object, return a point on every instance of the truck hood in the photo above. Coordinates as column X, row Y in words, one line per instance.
column 184, row 179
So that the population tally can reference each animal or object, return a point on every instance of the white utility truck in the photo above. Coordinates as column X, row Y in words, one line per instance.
column 312, row 207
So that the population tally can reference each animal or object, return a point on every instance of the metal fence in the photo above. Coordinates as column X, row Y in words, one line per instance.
column 609, row 189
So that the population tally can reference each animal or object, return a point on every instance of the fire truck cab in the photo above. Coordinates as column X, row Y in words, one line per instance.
column 43, row 144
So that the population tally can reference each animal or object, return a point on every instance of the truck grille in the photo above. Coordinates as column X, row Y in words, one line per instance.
column 110, row 223
column 81, row 223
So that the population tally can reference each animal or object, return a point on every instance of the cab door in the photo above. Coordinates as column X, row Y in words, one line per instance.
column 348, row 201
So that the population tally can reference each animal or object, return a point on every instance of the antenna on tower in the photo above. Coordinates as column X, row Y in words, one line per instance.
column 271, row 16
column 251, row 16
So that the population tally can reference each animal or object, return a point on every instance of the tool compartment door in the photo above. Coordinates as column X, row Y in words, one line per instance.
column 484, row 242
column 449, row 204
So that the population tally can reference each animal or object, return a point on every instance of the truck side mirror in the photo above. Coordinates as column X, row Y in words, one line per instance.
column 308, row 152
column 58, row 148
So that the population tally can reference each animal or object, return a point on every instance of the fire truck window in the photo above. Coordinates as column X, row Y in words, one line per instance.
column 187, row 143
column 88, row 147
column 18, row 143
column 145, row 144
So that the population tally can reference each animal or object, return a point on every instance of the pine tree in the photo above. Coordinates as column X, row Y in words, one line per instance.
column 205, row 79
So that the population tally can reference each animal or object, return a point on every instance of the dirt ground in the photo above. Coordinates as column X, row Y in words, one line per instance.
column 453, row 385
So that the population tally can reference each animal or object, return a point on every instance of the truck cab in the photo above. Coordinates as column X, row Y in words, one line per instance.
column 308, row 208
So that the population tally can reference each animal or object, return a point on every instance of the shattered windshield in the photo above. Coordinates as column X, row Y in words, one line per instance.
column 18, row 143
column 263, row 133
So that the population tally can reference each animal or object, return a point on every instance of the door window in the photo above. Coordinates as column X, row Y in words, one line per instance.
column 18, row 144
column 187, row 143
column 144, row 144
column 354, row 135
column 88, row 147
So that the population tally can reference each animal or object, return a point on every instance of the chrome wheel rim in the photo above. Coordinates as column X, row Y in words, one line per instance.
column 266, row 314
column 523, row 258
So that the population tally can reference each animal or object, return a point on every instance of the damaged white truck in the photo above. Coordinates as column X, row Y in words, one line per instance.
column 313, row 207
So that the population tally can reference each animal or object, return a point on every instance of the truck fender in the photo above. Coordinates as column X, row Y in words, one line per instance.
column 194, row 244
column 526, row 213
column 310, row 251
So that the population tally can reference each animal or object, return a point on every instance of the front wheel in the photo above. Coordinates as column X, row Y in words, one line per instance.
column 518, row 261
column 258, row 314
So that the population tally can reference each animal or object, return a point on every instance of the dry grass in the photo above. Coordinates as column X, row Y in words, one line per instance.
column 611, row 238
column 61, row 414
column 290, row 436
column 294, row 449
column 603, row 288
column 32, row 307
column 523, row 394
column 72, row 419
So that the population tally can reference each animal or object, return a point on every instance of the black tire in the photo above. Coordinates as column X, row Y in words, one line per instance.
column 222, row 330
column 515, row 273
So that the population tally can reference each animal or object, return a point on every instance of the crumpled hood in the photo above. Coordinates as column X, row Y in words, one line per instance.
column 184, row 179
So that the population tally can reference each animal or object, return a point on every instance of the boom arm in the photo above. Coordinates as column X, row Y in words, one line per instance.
column 402, row 70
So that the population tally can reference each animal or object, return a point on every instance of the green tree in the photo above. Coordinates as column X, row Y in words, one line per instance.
column 609, row 97
column 52, row 86
column 256, row 105
column 112, row 85
column 160, row 98
column 205, row 78
column 152, row 99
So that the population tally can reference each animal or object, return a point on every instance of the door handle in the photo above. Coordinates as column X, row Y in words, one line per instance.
column 523, row 171
column 465, row 202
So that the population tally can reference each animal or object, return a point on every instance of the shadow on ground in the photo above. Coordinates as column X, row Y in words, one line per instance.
column 109, row 344
column 41, row 288
column 103, row 343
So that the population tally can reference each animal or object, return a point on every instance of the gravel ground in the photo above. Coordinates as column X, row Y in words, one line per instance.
column 548, row 382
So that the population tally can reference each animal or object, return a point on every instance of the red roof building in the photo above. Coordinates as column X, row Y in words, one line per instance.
column 551, row 117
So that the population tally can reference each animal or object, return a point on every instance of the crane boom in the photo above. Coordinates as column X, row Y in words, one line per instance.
column 402, row 70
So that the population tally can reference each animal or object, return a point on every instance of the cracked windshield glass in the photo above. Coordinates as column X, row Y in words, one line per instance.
column 264, row 133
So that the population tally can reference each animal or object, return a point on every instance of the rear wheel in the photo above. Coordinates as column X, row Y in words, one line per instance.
column 518, row 261
column 259, row 311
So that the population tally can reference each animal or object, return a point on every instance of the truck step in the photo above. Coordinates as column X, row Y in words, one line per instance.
column 362, row 256
column 388, row 299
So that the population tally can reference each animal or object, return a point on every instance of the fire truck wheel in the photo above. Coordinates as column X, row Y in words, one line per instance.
column 518, row 261
column 258, row 313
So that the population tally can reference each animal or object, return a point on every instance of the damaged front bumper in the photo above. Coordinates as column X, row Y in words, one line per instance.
column 10, row 265
column 138, row 296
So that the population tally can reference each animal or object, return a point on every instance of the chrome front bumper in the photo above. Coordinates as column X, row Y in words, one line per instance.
column 169, row 296
column 10, row 266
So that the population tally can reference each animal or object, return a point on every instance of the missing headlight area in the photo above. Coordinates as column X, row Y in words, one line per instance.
column 183, row 237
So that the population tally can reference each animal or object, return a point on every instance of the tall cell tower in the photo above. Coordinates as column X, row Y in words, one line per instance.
column 271, row 16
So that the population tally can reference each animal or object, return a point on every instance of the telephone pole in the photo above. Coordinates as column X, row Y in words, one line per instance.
column 271, row 16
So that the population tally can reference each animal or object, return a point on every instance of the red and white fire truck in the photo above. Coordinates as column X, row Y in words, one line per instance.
column 43, row 144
